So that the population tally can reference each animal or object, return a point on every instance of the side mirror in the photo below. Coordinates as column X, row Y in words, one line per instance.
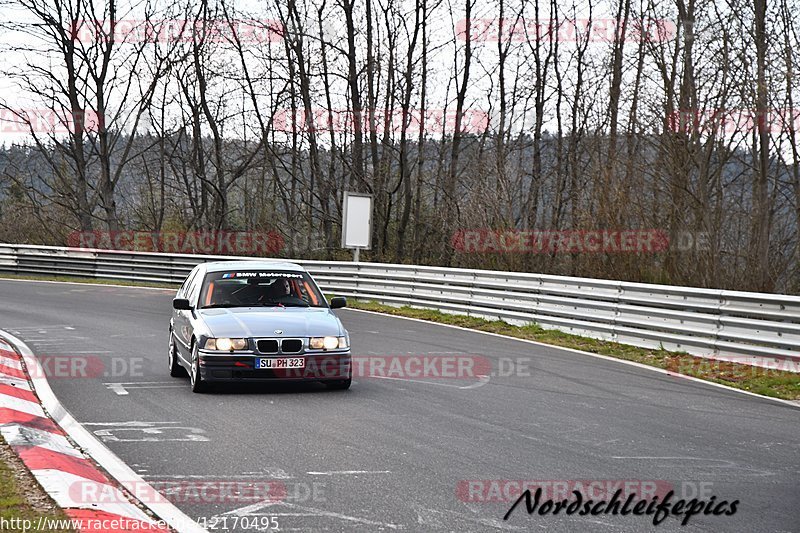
column 337, row 302
column 181, row 304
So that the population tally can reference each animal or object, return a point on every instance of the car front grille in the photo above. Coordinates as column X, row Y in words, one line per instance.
column 291, row 346
column 286, row 345
column 267, row 346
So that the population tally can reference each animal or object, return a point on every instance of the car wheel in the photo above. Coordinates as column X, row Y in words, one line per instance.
column 175, row 368
column 198, row 385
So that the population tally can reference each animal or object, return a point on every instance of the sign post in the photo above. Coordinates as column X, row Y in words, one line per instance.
column 357, row 222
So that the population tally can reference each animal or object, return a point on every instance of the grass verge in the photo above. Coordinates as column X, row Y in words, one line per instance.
column 768, row 382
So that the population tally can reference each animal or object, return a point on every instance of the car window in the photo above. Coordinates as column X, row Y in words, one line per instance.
column 194, row 289
column 260, row 288
column 184, row 288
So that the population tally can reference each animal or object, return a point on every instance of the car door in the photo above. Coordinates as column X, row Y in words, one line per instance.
column 181, row 320
column 193, row 295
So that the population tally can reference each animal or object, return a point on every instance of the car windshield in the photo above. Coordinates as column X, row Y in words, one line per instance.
column 249, row 288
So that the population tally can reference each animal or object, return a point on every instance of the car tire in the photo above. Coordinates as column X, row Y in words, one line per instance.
column 198, row 384
column 339, row 384
column 175, row 368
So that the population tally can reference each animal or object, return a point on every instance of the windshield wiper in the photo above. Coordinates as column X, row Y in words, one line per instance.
column 216, row 306
column 284, row 304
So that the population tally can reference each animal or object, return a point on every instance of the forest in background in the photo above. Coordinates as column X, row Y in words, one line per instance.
column 669, row 115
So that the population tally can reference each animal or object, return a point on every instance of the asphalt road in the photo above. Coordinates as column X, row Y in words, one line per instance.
column 396, row 454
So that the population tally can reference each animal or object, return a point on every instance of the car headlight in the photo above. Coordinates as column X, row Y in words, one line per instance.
column 226, row 344
column 327, row 343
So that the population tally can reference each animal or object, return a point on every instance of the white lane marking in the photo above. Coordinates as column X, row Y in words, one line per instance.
column 348, row 472
column 19, row 435
column 276, row 473
column 58, row 340
column 251, row 510
column 19, row 329
column 70, row 490
column 152, row 433
column 795, row 404
column 130, row 423
column 269, row 473
column 705, row 463
column 444, row 519
column 117, row 387
column 73, row 352
column 155, row 386
column 133, row 383
column 483, row 380
column 69, row 327
column 417, row 381
column 112, row 464
column 666, row 457
column 121, row 388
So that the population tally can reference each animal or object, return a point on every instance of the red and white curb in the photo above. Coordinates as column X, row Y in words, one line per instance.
column 40, row 430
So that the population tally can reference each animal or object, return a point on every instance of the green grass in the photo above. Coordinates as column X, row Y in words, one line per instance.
column 768, row 382
column 18, row 492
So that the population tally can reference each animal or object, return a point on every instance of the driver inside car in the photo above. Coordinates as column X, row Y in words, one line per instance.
column 280, row 292
column 279, row 289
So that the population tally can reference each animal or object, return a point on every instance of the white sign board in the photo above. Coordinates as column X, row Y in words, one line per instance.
column 357, row 221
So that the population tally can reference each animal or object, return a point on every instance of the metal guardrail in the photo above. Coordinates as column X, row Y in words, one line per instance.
column 706, row 322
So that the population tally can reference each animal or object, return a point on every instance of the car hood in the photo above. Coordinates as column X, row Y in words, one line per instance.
column 262, row 322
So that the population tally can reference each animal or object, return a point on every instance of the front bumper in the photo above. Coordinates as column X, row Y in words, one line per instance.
column 241, row 367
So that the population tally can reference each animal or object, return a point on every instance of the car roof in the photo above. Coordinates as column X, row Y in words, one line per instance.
column 221, row 266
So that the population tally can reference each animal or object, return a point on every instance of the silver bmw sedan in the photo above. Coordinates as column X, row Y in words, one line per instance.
column 256, row 321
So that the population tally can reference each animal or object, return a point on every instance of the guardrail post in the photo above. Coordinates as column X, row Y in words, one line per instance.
column 95, row 264
column 414, row 285
column 471, row 304
column 718, row 324
column 617, row 312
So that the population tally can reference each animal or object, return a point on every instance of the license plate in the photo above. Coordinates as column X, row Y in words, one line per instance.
column 280, row 362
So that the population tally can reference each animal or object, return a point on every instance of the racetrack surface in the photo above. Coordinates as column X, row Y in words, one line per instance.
column 391, row 454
